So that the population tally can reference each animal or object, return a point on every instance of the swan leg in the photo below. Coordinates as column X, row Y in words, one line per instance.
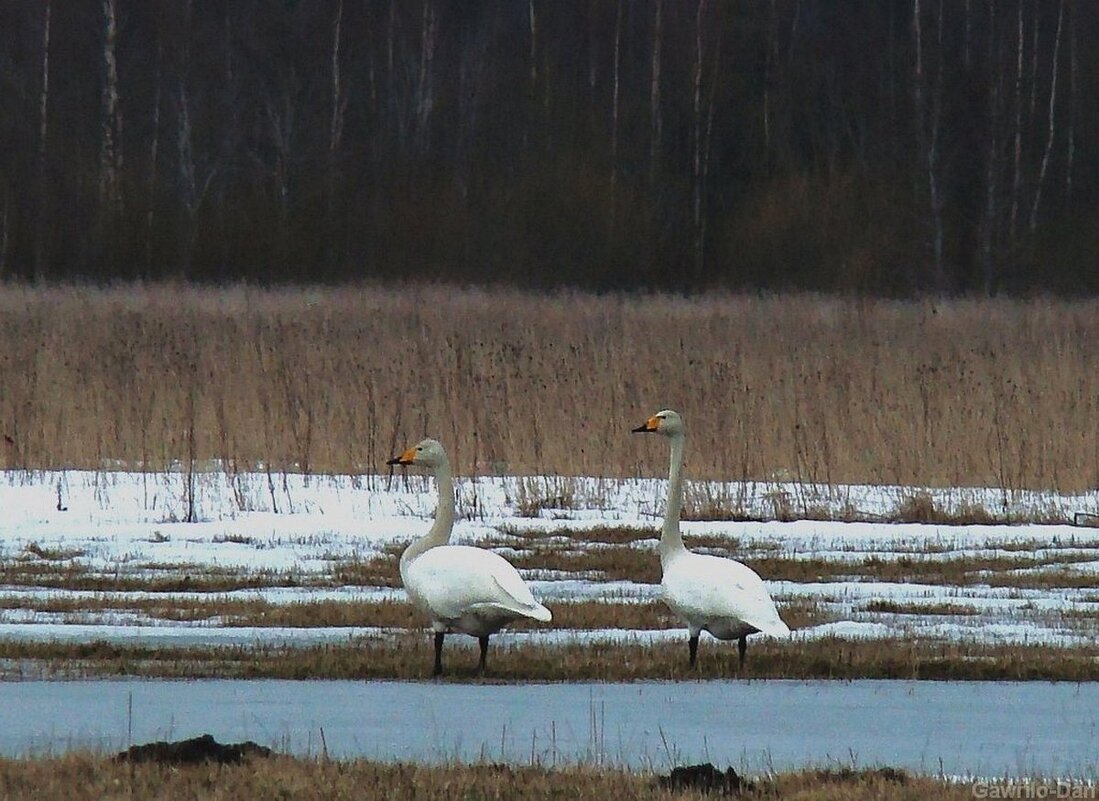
column 484, row 653
column 742, row 648
column 438, row 671
column 693, row 643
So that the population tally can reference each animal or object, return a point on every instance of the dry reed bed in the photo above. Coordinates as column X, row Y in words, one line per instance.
column 406, row 656
column 84, row 777
column 993, row 392
column 229, row 611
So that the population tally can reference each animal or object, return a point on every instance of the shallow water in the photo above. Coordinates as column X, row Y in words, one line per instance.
column 974, row 728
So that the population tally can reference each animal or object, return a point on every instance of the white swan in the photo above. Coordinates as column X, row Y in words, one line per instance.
column 710, row 593
column 463, row 589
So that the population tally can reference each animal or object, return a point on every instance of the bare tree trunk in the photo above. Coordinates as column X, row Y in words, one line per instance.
column 697, row 107
column 1017, row 162
column 614, row 111
column 533, row 49
column 593, row 62
column 968, row 35
column 714, row 73
column 154, row 147
column 282, row 136
column 1070, row 144
column 1033, row 103
column 390, row 33
column 917, row 79
column 43, row 129
column 768, row 67
column 1052, row 116
column 110, row 154
column 396, row 116
column 425, row 94
column 185, row 154
column 187, row 177
column 988, row 266
column 924, row 151
column 934, row 192
column 228, row 45
column 4, row 239
column 335, row 128
column 654, row 94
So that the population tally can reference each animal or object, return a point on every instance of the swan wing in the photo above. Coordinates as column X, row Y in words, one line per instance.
column 704, row 587
column 453, row 580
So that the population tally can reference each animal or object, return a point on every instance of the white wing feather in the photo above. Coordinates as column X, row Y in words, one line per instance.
column 452, row 580
column 704, row 588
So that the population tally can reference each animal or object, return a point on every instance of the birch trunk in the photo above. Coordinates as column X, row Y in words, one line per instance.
column 43, row 130
column 697, row 108
column 934, row 191
column 1052, row 129
column 1070, row 144
column 335, row 131
column 988, row 266
column 425, row 94
column 654, row 95
column 716, row 71
column 918, row 81
column 110, row 155
column 4, row 240
column 186, row 176
column 154, row 148
column 768, row 67
column 1017, row 157
column 533, row 49
column 614, row 110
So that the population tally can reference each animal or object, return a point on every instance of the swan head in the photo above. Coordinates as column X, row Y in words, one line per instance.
column 668, row 422
column 427, row 453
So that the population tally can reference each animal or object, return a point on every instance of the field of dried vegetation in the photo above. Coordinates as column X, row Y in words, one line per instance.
column 1001, row 393
column 80, row 776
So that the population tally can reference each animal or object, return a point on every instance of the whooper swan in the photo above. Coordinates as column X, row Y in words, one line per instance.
column 464, row 590
column 710, row 593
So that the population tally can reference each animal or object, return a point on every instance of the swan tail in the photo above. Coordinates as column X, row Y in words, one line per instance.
column 540, row 613
column 774, row 628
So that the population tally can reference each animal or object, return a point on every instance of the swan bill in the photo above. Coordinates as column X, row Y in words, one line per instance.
column 405, row 459
column 650, row 426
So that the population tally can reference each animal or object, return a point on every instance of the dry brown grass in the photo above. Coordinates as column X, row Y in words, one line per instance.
column 227, row 611
column 921, row 608
column 408, row 656
column 571, row 552
column 993, row 392
column 84, row 777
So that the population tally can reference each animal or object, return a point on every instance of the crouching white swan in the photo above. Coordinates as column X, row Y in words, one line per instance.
column 710, row 593
column 463, row 589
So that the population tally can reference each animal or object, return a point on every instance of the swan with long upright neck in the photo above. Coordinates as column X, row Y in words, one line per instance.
column 709, row 593
column 463, row 589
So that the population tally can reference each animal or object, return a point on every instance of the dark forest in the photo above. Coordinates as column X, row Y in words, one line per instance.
column 889, row 147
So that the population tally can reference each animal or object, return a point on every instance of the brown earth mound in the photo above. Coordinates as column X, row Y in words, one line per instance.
column 189, row 752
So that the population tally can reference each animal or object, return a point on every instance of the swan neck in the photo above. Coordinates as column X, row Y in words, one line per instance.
column 439, row 533
column 671, row 542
